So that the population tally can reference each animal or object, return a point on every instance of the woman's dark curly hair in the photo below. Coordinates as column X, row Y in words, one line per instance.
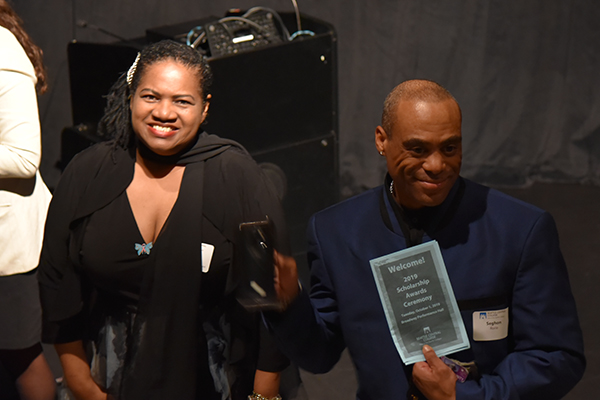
column 116, row 122
column 11, row 21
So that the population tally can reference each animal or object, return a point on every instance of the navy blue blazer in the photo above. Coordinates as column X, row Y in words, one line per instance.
column 499, row 252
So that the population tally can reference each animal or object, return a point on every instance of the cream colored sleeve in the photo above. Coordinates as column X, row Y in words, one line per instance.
column 20, row 137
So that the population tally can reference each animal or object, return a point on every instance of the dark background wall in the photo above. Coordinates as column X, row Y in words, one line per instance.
column 524, row 71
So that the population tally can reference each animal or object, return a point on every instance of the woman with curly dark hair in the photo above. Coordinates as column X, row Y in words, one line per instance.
column 24, row 201
column 140, row 243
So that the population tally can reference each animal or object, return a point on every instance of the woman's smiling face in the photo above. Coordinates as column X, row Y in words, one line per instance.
column 168, row 107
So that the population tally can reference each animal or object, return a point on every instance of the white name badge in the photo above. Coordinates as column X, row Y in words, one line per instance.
column 207, row 253
column 490, row 325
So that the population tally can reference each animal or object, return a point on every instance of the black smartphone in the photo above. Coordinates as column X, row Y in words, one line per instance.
column 256, row 290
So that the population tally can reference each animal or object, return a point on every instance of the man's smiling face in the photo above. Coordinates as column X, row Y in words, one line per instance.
column 423, row 151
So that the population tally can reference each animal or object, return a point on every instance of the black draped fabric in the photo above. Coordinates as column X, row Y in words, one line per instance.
column 524, row 73
column 170, row 358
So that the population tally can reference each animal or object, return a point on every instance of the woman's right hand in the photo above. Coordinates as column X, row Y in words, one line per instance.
column 77, row 372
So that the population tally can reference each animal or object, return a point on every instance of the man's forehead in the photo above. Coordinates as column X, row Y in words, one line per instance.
column 421, row 106
column 423, row 139
column 418, row 114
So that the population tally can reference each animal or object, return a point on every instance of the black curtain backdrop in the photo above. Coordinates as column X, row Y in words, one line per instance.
column 525, row 73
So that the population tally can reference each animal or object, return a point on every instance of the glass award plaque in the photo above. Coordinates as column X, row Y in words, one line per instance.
column 419, row 303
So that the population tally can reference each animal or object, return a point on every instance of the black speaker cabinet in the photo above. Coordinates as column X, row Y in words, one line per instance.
column 280, row 102
column 93, row 68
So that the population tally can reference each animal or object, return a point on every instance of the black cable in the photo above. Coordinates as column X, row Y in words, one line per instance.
column 73, row 16
column 297, row 11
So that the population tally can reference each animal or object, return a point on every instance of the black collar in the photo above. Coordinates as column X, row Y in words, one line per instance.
column 415, row 223
column 115, row 172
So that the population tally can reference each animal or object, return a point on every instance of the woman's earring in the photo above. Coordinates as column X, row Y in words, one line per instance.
column 381, row 153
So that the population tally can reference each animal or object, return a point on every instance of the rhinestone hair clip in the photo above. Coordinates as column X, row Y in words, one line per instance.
column 132, row 69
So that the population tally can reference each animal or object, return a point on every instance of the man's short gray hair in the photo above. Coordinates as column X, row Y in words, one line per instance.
column 412, row 90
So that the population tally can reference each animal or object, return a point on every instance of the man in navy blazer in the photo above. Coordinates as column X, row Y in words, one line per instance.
column 502, row 257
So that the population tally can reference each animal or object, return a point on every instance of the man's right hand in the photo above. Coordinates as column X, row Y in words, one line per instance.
column 286, row 278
